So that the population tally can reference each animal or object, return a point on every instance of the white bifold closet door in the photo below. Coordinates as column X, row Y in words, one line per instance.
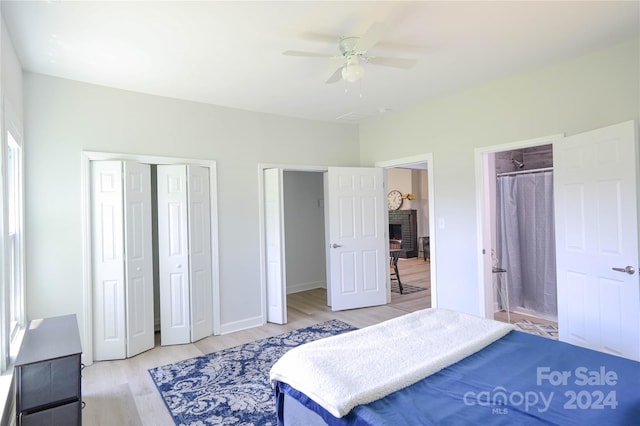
column 122, row 259
column 184, row 247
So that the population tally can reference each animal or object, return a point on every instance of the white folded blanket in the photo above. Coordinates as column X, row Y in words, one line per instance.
column 361, row 366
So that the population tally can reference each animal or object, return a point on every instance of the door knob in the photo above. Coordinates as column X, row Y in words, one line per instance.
column 629, row 270
column 334, row 245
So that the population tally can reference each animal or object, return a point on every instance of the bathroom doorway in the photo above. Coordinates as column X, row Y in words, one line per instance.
column 524, row 255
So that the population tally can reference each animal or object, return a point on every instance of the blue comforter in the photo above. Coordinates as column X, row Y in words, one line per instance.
column 519, row 379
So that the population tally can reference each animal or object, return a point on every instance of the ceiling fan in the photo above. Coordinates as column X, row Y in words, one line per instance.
column 355, row 51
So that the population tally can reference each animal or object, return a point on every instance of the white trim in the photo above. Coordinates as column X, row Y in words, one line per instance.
column 483, row 225
column 245, row 324
column 86, row 158
column 4, row 294
column 525, row 143
column 403, row 161
column 424, row 158
column 297, row 288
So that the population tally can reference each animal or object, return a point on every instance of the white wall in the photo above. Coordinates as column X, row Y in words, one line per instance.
column 420, row 181
column 401, row 180
column 304, row 230
column 574, row 96
column 11, row 95
column 10, row 73
column 413, row 181
column 64, row 117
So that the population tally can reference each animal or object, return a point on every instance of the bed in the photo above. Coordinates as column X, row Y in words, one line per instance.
column 468, row 370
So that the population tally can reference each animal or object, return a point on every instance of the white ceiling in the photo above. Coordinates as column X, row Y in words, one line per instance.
column 230, row 53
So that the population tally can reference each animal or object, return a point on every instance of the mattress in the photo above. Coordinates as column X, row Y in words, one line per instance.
column 519, row 379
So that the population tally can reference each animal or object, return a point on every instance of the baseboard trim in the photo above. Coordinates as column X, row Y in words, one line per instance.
column 245, row 324
column 297, row 288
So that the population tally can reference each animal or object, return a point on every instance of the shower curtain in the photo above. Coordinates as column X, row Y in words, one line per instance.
column 526, row 240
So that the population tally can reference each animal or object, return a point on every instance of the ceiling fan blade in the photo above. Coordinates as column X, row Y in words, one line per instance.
column 311, row 54
column 372, row 36
column 335, row 77
column 404, row 63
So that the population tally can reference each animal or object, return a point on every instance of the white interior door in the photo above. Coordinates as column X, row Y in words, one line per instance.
column 138, row 258
column 201, row 303
column 109, row 334
column 173, row 256
column 358, row 241
column 274, row 245
column 596, row 234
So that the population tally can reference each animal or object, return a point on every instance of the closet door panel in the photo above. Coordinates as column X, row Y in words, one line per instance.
column 139, row 258
column 109, row 332
column 200, row 253
column 173, row 255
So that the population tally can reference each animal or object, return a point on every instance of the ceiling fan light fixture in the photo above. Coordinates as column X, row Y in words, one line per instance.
column 353, row 71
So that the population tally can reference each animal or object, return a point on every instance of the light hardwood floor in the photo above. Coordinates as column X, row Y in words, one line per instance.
column 121, row 392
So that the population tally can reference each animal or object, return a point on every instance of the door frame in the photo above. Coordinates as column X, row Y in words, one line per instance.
column 262, row 226
column 85, row 194
column 485, row 213
column 420, row 158
column 433, row 251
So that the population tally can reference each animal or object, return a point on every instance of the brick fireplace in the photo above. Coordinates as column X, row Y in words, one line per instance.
column 403, row 225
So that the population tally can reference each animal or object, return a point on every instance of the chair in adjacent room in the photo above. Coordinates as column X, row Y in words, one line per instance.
column 426, row 248
column 395, row 247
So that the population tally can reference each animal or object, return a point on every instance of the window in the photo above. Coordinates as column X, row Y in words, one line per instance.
column 12, row 238
column 14, row 204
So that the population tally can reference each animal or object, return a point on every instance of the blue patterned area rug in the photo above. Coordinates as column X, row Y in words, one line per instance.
column 231, row 387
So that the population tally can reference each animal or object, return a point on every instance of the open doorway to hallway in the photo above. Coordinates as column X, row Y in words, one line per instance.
column 409, row 222
column 413, row 176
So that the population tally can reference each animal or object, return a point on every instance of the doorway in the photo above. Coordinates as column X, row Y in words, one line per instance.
column 373, row 249
column 299, row 209
column 506, row 160
column 409, row 227
column 413, row 176
column 304, row 230
column 523, row 260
